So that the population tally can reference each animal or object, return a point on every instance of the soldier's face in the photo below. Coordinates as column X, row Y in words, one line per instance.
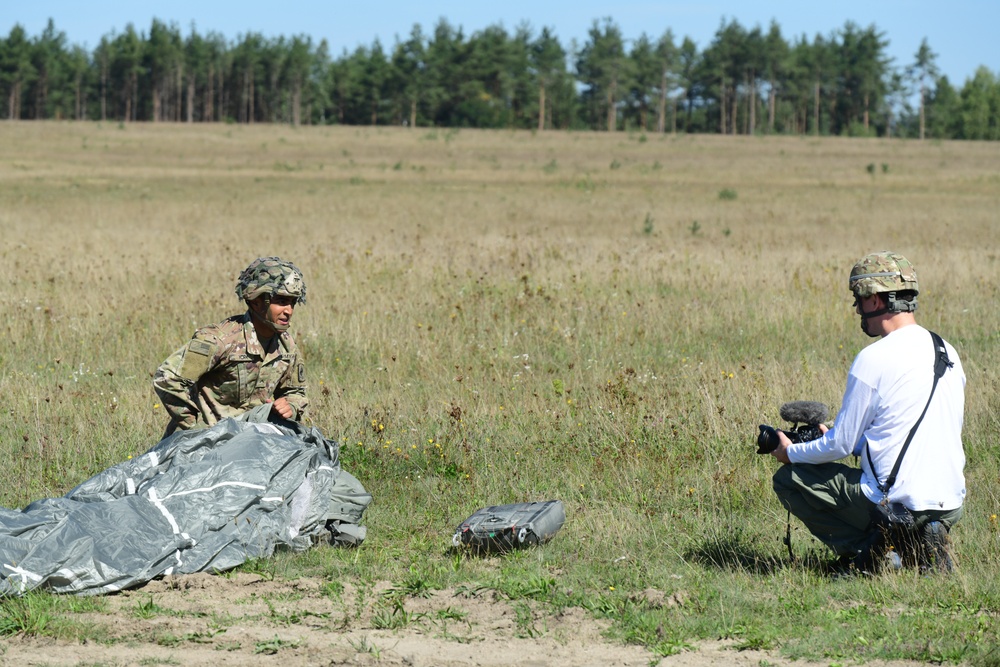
column 278, row 313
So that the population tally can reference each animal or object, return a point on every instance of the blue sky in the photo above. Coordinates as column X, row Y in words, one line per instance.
column 962, row 32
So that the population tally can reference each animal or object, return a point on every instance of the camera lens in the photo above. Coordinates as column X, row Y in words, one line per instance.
column 767, row 439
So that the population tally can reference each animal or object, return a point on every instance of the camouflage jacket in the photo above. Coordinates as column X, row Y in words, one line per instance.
column 224, row 371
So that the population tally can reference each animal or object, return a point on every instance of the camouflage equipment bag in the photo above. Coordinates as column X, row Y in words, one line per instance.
column 501, row 528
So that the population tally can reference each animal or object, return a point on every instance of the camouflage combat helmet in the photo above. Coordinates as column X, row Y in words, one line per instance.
column 882, row 272
column 271, row 275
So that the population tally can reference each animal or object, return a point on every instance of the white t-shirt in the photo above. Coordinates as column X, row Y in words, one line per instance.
column 887, row 389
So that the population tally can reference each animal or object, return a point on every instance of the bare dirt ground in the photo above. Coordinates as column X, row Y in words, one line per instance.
column 205, row 620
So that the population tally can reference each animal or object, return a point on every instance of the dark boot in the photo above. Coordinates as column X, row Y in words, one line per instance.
column 935, row 548
column 870, row 559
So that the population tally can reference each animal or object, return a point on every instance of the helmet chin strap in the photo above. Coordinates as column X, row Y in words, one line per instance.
column 261, row 317
column 865, row 316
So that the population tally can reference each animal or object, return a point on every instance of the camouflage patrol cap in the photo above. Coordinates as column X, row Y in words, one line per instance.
column 884, row 271
column 271, row 275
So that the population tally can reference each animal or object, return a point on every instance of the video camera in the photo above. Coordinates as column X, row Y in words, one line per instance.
column 805, row 417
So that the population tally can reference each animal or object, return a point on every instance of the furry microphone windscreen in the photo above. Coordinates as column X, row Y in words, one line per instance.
column 804, row 412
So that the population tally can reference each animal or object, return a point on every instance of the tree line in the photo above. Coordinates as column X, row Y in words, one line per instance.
column 745, row 81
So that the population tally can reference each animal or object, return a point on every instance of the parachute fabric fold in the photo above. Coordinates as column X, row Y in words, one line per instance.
column 198, row 501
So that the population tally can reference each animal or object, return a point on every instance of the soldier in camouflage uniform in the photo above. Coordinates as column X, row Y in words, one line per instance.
column 243, row 362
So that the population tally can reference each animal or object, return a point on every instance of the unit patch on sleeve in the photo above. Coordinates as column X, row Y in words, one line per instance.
column 197, row 358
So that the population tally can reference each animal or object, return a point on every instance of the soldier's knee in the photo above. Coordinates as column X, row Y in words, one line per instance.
column 782, row 478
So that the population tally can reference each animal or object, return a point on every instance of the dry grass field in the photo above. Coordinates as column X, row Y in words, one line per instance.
column 495, row 317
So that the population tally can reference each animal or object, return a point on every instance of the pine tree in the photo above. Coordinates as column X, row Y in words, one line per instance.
column 923, row 68
column 602, row 68
column 16, row 69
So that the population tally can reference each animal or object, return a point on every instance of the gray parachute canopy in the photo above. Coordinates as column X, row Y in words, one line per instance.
column 198, row 501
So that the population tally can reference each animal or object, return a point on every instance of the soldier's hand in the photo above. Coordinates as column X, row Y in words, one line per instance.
column 283, row 408
column 781, row 452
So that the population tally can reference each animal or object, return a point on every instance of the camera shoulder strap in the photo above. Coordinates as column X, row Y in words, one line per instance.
column 941, row 364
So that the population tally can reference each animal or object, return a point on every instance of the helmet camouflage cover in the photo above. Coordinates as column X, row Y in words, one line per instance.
column 884, row 271
column 271, row 275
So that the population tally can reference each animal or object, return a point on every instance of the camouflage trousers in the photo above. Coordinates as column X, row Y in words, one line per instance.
column 829, row 500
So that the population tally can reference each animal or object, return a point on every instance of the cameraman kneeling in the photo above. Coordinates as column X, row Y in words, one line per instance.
column 892, row 404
